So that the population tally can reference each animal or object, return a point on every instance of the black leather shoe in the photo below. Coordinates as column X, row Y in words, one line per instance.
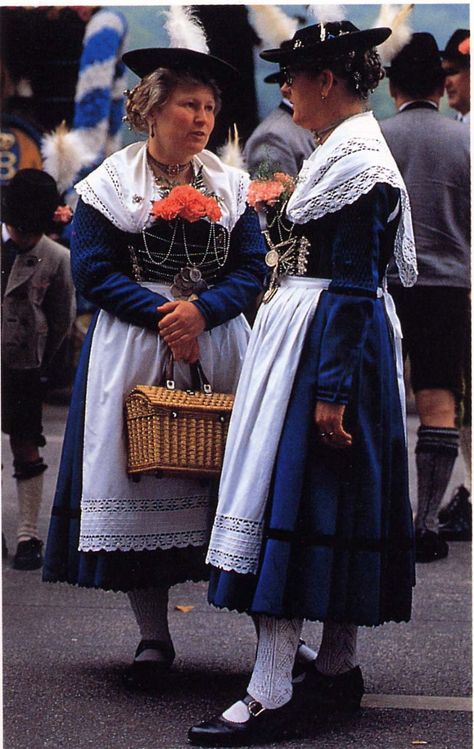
column 341, row 692
column 28, row 555
column 259, row 728
column 4, row 547
column 429, row 547
column 456, row 517
column 148, row 674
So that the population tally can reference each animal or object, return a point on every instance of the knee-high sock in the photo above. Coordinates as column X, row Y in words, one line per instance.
column 277, row 644
column 436, row 451
column 338, row 650
column 30, row 494
column 466, row 451
column 304, row 654
column 150, row 607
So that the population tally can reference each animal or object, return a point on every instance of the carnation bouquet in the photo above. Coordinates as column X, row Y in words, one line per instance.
column 188, row 203
column 270, row 189
column 287, row 254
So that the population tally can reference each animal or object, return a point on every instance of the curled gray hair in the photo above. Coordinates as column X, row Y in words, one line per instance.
column 154, row 90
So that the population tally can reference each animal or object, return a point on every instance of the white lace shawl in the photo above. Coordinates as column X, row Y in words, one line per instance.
column 122, row 187
column 346, row 166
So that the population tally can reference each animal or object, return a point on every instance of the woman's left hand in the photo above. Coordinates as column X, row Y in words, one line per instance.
column 328, row 418
column 182, row 322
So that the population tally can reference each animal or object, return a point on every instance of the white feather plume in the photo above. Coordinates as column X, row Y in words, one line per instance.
column 230, row 152
column 184, row 29
column 396, row 18
column 272, row 24
column 327, row 13
column 64, row 156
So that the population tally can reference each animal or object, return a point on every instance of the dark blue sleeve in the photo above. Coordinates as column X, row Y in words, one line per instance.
column 357, row 251
column 245, row 275
column 98, row 262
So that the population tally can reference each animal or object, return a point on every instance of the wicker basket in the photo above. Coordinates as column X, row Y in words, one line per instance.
column 180, row 432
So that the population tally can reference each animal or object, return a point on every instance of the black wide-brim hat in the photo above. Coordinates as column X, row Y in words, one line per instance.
column 29, row 201
column 452, row 47
column 274, row 77
column 420, row 56
column 278, row 77
column 326, row 41
column 145, row 61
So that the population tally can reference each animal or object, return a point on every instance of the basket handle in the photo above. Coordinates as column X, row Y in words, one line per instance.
column 199, row 380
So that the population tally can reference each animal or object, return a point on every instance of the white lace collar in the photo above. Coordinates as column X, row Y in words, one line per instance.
column 122, row 187
column 346, row 166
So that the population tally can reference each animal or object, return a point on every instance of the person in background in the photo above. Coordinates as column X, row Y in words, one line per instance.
column 277, row 140
column 277, row 143
column 37, row 311
column 457, row 67
column 456, row 517
column 435, row 313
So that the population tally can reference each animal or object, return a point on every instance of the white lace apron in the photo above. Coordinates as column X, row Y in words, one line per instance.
column 118, row 514
column 263, row 393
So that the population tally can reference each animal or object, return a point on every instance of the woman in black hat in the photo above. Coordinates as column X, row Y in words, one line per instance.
column 314, row 519
column 164, row 245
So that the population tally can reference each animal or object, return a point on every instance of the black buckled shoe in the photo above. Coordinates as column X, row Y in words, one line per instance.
column 342, row 692
column 28, row 555
column 148, row 674
column 456, row 517
column 259, row 728
column 429, row 546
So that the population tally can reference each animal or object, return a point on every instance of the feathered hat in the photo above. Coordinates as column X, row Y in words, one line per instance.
column 458, row 48
column 325, row 41
column 397, row 18
column 188, row 50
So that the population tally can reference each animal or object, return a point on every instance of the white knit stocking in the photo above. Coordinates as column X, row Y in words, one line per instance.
column 338, row 651
column 277, row 644
column 30, row 493
column 150, row 607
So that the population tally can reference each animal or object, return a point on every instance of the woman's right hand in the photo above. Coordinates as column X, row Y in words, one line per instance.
column 187, row 352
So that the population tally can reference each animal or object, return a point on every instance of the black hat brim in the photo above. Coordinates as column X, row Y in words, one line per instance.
column 145, row 61
column 274, row 78
column 354, row 40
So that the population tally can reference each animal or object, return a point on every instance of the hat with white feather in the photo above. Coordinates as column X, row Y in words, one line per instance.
column 188, row 50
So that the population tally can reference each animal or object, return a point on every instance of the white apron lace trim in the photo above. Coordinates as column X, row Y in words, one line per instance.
column 122, row 188
column 348, row 165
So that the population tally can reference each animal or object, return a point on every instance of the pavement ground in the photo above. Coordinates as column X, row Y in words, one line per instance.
column 65, row 651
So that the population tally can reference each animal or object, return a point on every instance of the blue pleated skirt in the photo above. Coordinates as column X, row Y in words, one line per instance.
column 338, row 532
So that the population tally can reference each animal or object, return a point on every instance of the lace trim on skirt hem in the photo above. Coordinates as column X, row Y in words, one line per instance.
column 236, row 544
column 145, row 542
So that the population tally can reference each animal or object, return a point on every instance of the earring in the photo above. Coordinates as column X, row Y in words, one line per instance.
column 323, row 97
column 152, row 130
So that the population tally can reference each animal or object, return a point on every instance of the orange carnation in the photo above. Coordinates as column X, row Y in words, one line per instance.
column 264, row 192
column 187, row 203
